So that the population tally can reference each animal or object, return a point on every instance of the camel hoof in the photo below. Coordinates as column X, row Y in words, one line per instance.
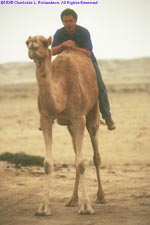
column 48, row 213
column 43, row 210
column 86, row 209
column 101, row 199
column 72, row 203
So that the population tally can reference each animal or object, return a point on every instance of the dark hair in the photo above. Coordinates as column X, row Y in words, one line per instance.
column 69, row 12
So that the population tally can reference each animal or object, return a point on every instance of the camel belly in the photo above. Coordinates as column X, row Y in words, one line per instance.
column 63, row 121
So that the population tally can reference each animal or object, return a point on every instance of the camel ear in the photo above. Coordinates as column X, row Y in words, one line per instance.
column 46, row 42
column 49, row 40
column 29, row 38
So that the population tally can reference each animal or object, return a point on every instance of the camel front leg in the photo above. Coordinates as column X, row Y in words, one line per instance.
column 86, row 207
column 74, row 198
column 46, row 125
column 78, row 125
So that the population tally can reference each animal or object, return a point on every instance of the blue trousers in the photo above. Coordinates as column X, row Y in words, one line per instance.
column 103, row 97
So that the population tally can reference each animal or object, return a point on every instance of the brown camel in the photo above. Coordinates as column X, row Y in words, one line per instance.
column 68, row 92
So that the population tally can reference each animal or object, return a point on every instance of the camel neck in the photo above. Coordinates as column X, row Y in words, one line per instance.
column 46, row 86
column 43, row 71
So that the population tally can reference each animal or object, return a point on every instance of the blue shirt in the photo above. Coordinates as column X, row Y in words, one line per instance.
column 81, row 37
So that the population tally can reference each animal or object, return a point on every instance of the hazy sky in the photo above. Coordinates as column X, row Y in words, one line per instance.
column 119, row 28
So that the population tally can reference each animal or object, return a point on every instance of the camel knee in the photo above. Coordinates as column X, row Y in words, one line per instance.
column 97, row 160
column 81, row 167
column 48, row 167
column 93, row 129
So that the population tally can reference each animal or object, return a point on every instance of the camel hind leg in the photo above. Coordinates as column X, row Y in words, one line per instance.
column 92, row 124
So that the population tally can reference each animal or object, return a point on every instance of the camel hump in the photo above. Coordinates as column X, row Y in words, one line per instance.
column 75, row 66
column 74, row 55
column 77, row 76
column 75, row 63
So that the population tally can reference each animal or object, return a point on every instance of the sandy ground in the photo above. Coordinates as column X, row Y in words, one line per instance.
column 125, row 168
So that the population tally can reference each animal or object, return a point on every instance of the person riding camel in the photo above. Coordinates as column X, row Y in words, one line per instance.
column 71, row 33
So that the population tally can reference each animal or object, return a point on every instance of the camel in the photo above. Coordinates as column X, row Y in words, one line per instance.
column 68, row 93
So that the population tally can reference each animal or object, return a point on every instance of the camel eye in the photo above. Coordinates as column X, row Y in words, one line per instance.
column 45, row 43
column 27, row 42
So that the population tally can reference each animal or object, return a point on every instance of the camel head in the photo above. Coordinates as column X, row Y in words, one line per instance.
column 38, row 47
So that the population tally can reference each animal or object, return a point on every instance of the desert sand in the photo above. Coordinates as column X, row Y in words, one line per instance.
column 125, row 152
